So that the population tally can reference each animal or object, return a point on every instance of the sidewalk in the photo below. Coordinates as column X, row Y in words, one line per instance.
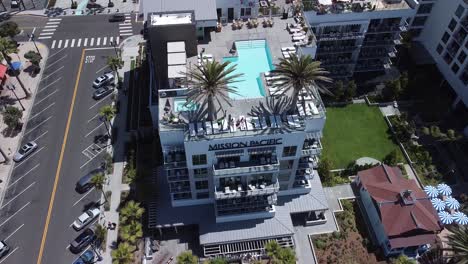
column 10, row 144
column 115, row 180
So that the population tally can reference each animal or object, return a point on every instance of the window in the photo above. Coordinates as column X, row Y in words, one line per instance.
column 439, row 49
column 203, row 195
column 447, row 58
column 246, row 11
column 199, row 159
column 419, row 21
column 201, row 185
column 425, row 8
column 200, row 173
column 452, row 24
column 455, row 68
column 459, row 11
column 289, row 151
column 445, row 37
column 462, row 57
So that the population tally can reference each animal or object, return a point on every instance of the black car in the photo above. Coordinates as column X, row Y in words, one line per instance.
column 117, row 18
column 82, row 241
column 102, row 92
column 84, row 184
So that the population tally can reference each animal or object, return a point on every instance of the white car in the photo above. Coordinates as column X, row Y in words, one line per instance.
column 25, row 151
column 4, row 249
column 86, row 218
column 103, row 79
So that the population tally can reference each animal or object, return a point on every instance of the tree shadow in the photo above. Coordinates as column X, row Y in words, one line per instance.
column 7, row 100
column 32, row 70
column 12, row 132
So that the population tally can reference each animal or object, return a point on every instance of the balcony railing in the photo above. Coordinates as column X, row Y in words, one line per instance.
column 232, row 167
column 340, row 36
column 387, row 29
column 246, row 190
column 336, row 49
column 184, row 177
column 313, row 149
column 336, row 62
column 175, row 165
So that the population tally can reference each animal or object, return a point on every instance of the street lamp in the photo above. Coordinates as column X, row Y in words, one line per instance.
column 12, row 88
column 32, row 37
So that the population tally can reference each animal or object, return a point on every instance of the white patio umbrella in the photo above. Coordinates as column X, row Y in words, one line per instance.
column 460, row 218
column 445, row 217
column 452, row 203
column 444, row 189
column 438, row 204
column 431, row 191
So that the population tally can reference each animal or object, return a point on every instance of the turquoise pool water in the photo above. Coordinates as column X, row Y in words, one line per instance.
column 179, row 105
column 253, row 58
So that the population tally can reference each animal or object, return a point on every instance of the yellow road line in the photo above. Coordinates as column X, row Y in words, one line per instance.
column 59, row 166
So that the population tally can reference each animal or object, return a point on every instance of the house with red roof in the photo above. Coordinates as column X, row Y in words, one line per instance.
column 399, row 213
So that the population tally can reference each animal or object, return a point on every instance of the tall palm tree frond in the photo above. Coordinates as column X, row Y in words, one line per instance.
column 434, row 256
column 457, row 241
column 272, row 106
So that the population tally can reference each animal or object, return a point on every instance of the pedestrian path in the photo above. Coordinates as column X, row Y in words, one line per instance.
column 125, row 28
column 50, row 28
column 84, row 42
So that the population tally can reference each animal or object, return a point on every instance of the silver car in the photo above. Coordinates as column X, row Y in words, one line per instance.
column 86, row 218
column 103, row 79
column 25, row 151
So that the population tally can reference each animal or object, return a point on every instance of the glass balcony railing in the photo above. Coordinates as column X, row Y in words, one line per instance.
column 314, row 148
column 233, row 167
column 242, row 190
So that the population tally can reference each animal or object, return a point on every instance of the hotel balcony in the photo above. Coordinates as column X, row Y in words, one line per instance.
column 387, row 28
column 381, row 42
column 372, row 67
column 177, row 175
column 312, row 147
column 336, row 62
column 301, row 182
column 266, row 164
column 174, row 159
column 339, row 36
column 325, row 49
column 254, row 188
column 309, row 162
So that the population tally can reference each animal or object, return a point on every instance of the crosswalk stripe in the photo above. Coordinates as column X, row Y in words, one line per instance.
column 51, row 26
column 125, row 31
column 85, row 42
column 48, row 30
column 72, row 43
column 59, row 44
column 55, row 19
column 45, row 37
column 117, row 40
column 91, row 43
column 98, row 41
column 128, row 21
column 53, row 44
column 79, row 43
column 66, row 43
column 125, row 24
column 104, row 41
column 46, row 33
column 126, row 34
column 53, row 23
column 111, row 39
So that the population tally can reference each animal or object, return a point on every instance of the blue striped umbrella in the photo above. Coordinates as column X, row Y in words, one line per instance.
column 438, row 204
column 431, row 191
column 445, row 217
column 444, row 189
column 452, row 203
column 460, row 218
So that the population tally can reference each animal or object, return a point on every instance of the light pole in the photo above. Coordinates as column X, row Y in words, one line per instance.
column 12, row 88
column 32, row 37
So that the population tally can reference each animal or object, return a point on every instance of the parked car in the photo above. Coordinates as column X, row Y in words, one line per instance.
column 4, row 249
column 102, row 92
column 82, row 241
column 106, row 78
column 86, row 218
column 25, row 151
column 14, row 4
column 117, row 18
column 84, row 184
column 86, row 258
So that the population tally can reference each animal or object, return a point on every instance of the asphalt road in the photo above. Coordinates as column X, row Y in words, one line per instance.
column 64, row 116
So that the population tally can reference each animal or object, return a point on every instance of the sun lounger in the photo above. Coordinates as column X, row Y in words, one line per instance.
column 298, row 38
column 296, row 120
column 286, row 55
column 288, row 49
column 307, row 110
column 215, row 128
column 225, row 125
column 248, row 121
column 279, row 122
column 242, row 124
column 263, row 122
column 301, row 110
column 200, row 130
column 206, row 56
column 294, row 30
column 256, row 122
column 273, row 122
column 232, row 125
column 314, row 108
column 298, row 34
column 290, row 120
column 192, row 130
column 209, row 128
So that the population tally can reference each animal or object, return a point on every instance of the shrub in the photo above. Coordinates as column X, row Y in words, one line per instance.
column 320, row 244
column 108, row 195
column 33, row 57
column 12, row 117
column 425, row 131
column 9, row 29
column 451, row 134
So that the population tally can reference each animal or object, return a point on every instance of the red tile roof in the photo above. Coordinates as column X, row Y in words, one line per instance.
column 402, row 218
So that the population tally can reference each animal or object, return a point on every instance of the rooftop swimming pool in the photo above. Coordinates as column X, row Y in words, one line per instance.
column 181, row 105
column 253, row 58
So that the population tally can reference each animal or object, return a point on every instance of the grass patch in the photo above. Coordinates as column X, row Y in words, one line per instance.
column 353, row 132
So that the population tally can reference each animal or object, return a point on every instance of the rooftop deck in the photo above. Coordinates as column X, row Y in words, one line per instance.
column 324, row 7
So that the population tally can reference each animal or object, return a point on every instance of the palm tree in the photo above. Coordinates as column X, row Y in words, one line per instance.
column 272, row 249
column 115, row 63
column 123, row 254
column 7, row 46
column 101, row 233
column 187, row 257
column 131, row 232
column 434, row 256
column 299, row 74
column 131, row 212
column 279, row 255
column 106, row 113
column 457, row 241
column 5, row 157
column 98, row 181
column 210, row 82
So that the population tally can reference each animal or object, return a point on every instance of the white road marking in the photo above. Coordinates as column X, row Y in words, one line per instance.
column 16, row 196
column 50, row 74
column 48, row 37
column 101, row 100
column 82, row 197
column 79, row 43
column 49, row 65
column 98, row 41
column 13, row 251
column 117, row 39
column 125, row 31
column 40, row 101
column 94, row 129
column 55, row 19
column 51, row 26
column 55, row 53
column 16, row 230
column 41, row 135
column 53, row 44
column 103, row 68
column 59, row 44
column 94, row 117
column 40, row 112
column 53, row 23
column 24, row 175
column 126, row 34
column 30, row 156
column 38, row 125
column 111, row 39
column 91, row 43
column 128, row 21
column 104, row 41
column 85, row 42
column 103, row 48
column 124, row 24
column 125, row 27
column 43, row 88
column 72, row 43
column 66, row 43
column 13, row 215
column 47, row 30
column 47, row 33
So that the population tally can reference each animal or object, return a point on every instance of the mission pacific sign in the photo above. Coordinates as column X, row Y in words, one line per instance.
column 245, row 144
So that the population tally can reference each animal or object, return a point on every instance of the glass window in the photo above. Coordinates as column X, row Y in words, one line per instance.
column 459, row 11
column 447, row 58
column 445, row 37
column 419, row 21
column 455, row 68
column 200, row 173
column 203, row 195
column 452, row 24
column 425, row 8
column 289, row 151
column 439, row 49
column 462, row 57
column 201, row 185
column 199, row 159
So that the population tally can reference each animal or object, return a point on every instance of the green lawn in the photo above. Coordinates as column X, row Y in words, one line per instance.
column 353, row 132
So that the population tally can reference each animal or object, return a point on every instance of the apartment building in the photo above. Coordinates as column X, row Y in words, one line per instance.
column 356, row 36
